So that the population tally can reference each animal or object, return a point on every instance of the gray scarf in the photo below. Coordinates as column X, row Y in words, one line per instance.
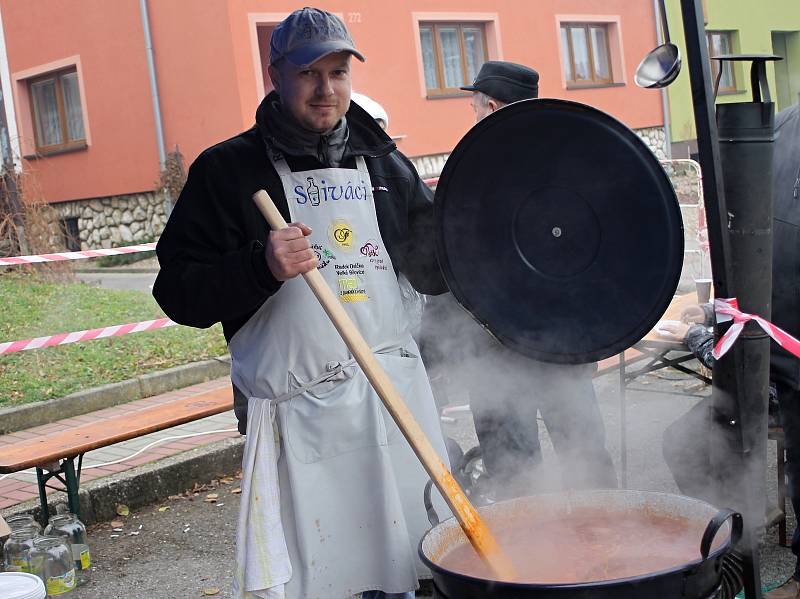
column 289, row 137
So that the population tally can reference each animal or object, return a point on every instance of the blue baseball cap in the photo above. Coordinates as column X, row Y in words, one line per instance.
column 309, row 34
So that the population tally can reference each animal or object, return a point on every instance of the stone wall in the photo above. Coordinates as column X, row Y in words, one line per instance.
column 118, row 220
column 656, row 140
column 431, row 166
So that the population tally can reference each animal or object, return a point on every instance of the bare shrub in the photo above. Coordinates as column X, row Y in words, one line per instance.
column 173, row 175
column 30, row 225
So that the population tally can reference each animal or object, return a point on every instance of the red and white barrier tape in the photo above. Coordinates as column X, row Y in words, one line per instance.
column 728, row 309
column 56, row 257
column 65, row 338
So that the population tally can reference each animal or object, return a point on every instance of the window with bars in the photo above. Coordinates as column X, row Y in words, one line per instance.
column 57, row 113
column 586, row 54
column 721, row 42
column 452, row 55
column 71, row 234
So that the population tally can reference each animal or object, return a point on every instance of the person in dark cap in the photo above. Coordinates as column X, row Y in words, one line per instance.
column 331, row 492
column 506, row 390
column 499, row 83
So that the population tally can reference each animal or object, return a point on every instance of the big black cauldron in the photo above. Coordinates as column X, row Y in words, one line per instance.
column 698, row 579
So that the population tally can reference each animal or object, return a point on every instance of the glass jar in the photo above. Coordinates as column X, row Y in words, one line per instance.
column 21, row 521
column 70, row 527
column 51, row 560
column 16, row 550
column 54, row 527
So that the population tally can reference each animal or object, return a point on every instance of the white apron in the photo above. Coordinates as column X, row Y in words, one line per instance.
column 350, row 487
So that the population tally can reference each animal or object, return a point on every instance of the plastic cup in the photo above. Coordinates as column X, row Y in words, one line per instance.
column 703, row 287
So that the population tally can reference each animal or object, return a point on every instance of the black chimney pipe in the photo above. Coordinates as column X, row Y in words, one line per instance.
column 737, row 186
column 741, row 377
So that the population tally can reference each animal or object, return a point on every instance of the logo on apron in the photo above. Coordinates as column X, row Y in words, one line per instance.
column 371, row 250
column 351, row 289
column 324, row 255
column 350, row 281
column 341, row 233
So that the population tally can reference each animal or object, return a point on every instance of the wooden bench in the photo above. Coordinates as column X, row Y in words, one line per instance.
column 53, row 455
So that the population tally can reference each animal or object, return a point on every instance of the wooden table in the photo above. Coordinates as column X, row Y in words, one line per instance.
column 660, row 353
column 656, row 347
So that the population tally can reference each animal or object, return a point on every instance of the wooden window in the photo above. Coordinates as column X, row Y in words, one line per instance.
column 721, row 42
column 57, row 113
column 264, row 34
column 586, row 54
column 452, row 55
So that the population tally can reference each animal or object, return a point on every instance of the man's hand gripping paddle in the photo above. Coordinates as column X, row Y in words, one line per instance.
column 474, row 527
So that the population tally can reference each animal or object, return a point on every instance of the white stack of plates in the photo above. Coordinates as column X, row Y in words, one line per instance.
column 18, row 585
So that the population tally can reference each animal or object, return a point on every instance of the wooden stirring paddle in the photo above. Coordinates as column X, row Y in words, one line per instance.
column 473, row 525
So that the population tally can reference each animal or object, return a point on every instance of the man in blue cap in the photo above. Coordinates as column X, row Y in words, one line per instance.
column 331, row 492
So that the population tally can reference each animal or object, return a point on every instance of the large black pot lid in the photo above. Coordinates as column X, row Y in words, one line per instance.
column 559, row 231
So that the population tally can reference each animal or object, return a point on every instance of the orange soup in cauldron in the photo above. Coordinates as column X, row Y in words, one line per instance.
column 590, row 544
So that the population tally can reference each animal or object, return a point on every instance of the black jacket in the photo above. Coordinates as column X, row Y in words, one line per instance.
column 785, row 368
column 211, row 252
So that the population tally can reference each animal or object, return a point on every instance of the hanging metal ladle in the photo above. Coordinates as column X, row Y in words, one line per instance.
column 662, row 65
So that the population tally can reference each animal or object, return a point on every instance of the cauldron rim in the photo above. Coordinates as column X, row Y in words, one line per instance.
column 684, row 567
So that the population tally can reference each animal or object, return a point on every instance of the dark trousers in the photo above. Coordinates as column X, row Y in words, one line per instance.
column 686, row 452
column 505, row 409
column 240, row 409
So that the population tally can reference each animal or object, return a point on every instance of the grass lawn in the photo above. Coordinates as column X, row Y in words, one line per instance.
column 33, row 307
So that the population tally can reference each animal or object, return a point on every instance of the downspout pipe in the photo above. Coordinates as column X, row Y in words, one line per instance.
column 664, row 97
column 10, row 136
column 151, row 68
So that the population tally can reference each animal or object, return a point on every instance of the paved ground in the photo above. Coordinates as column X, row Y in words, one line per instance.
column 119, row 280
column 176, row 553
column 187, row 550
column 183, row 551
column 134, row 276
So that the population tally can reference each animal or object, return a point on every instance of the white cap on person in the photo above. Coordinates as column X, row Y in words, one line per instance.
column 375, row 110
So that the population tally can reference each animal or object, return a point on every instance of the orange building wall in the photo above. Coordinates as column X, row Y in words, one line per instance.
column 196, row 76
column 529, row 34
column 122, row 157
column 208, row 77
column 199, row 93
